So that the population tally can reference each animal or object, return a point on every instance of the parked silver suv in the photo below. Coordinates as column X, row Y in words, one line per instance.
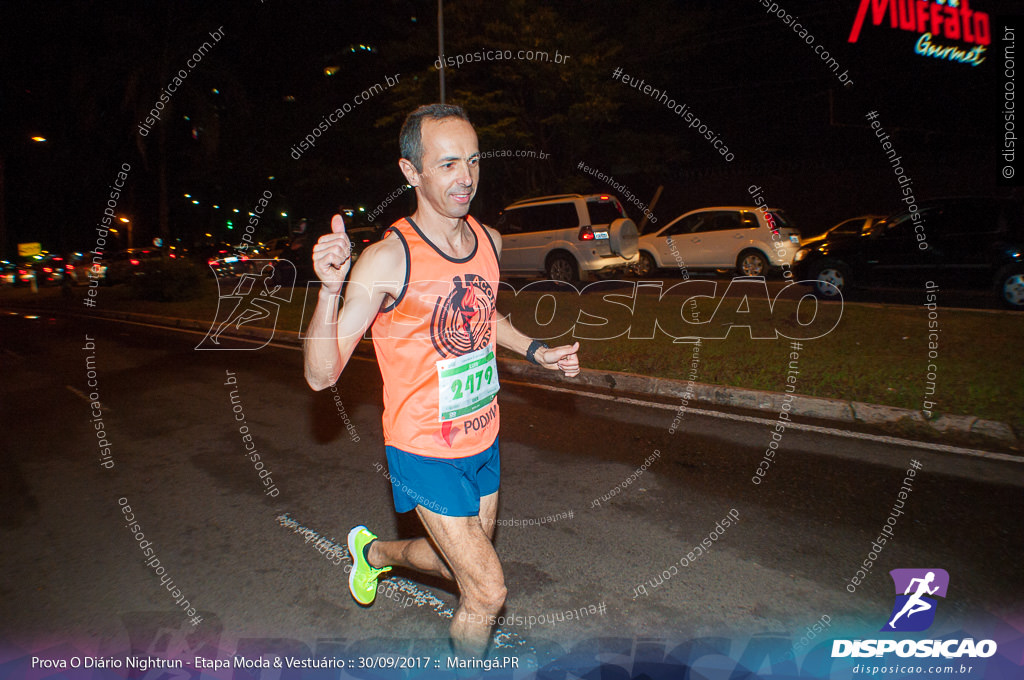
column 567, row 237
column 742, row 238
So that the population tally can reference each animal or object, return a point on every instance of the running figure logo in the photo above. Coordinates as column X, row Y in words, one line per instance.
column 914, row 609
column 461, row 322
column 252, row 298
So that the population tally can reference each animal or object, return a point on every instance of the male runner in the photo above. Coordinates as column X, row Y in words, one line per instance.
column 429, row 289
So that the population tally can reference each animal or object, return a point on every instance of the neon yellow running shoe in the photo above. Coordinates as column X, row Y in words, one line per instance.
column 362, row 580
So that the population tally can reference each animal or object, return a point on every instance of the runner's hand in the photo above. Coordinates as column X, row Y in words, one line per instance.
column 332, row 256
column 562, row 359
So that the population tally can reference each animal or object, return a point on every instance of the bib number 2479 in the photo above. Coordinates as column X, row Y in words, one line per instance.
column 467, row 383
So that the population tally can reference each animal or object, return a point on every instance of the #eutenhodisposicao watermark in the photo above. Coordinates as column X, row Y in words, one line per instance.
column 103, row 229
column 152, row 560
column 886, row 534
column 681, row 109
column 779, row 428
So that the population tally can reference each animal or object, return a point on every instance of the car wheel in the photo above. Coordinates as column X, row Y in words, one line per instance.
column 624, row 238
column 1011, row 287
column 563, row 268
column 831, row 279
column 752, row 263
column 646, row 265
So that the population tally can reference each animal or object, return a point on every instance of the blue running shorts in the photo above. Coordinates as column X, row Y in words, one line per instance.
column 447, row 486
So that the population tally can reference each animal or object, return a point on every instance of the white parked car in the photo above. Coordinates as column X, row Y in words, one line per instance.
column 566, row 237
column 721, row 238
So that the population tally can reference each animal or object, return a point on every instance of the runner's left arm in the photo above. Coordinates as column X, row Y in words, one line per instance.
column 563, row 358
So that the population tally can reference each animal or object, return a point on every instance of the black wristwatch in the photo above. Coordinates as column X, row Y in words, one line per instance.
column 531, row 353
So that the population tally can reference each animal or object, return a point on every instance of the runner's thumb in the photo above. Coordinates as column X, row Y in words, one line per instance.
column 337, row 224
column 565, row 350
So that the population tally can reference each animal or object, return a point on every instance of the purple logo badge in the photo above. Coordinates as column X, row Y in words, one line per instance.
column 914, row 609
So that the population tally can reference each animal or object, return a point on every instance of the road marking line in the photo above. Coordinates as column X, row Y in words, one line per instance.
column 946, row 448
column 81, row 395
column 78, row 393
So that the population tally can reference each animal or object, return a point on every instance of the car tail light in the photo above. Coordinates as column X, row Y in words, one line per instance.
column 70, row 267
column 135, row 262
column 172, row 255
column 586, row 233
column 47, row 270
column 212, row 260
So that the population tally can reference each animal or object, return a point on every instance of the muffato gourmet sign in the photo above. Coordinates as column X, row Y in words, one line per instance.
column 937, row 22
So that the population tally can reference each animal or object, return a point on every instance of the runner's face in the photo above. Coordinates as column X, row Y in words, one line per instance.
column 451, row 166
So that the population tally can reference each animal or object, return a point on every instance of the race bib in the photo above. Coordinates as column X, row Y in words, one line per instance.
column 466, row 383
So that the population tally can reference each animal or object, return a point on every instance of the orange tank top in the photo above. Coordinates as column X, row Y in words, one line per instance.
column 436, row 347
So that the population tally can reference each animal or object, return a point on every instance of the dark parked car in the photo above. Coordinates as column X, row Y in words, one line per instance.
column 8, row 273
column 125, row 265
column 79, row 268
column 228, row 263
column 45, row 270
column 361, row 237
column 959, row 242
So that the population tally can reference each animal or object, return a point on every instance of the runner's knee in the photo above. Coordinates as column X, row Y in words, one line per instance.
column 489, row 597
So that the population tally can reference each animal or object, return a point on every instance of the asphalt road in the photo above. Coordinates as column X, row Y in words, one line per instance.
column 73, row 573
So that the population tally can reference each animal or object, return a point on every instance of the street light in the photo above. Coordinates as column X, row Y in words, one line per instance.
column 128, row 224
column 38, row 139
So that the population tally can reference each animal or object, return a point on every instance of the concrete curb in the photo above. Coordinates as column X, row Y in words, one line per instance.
column 836, row 410
column 800, row 405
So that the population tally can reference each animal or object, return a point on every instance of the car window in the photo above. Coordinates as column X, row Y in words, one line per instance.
column 510, row 222
column 748, row 220
column 972, row 218
column 879, row 227
column 719, row 220
column 849, row 227
column 781, row 220
column 902, row 226
column 686, row 225
column 551, row 217
column 503, row 223
column 604, row 212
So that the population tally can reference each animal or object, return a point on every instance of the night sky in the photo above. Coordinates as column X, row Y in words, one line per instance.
column 84, row 75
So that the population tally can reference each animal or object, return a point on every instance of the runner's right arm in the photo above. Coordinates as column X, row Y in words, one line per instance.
column 331, row 338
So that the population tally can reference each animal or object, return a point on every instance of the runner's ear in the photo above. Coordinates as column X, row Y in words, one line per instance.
column 338, row 224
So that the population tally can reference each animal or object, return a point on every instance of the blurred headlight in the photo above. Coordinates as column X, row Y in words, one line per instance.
column 801, row 254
